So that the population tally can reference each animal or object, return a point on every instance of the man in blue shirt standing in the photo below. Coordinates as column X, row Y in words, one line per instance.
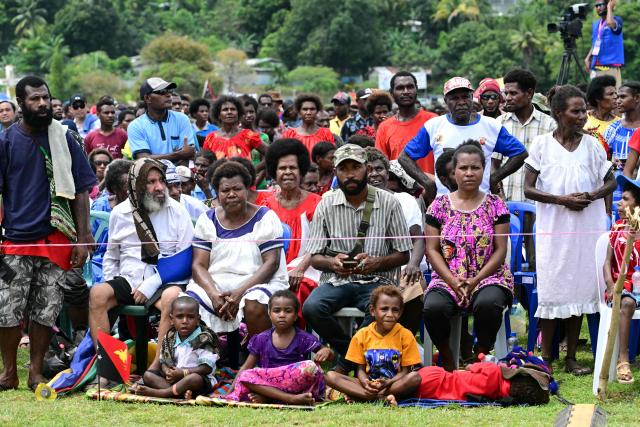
column 161, row 133
column 606, row 56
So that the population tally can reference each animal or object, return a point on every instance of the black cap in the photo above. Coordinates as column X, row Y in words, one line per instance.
column 77, row 98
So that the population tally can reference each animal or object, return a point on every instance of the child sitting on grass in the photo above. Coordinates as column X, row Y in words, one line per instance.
column 384, row 352
column 612, row 266
column 285, row 373
column 188, row 356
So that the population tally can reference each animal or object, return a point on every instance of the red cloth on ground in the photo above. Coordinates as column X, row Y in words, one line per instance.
column 240, row 144
column 322, row 134
column 393, row 135
column 481, row 379
column 59, row 255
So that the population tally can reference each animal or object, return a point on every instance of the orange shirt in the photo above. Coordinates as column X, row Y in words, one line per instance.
column 240, row 144
column 393, row 135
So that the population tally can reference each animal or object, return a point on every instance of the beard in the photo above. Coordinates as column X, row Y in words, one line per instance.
column 360, row 185
column 153, row 203
column 35, row 121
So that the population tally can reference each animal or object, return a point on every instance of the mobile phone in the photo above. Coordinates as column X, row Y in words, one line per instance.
column 349, row 263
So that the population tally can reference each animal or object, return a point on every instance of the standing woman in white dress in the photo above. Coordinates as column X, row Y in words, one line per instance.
column 567, row 175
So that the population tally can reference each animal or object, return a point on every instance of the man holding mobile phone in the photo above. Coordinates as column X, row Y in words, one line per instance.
column 359, row 240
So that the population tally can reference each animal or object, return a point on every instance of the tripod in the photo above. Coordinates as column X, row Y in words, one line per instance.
column 569, row 54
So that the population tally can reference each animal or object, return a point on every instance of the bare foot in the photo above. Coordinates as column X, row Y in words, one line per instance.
column 391, row 400
column 302, row 399
column 33, row 381
column 8, row 382
column 257, row 398
column 142, row 390
column 188, row 394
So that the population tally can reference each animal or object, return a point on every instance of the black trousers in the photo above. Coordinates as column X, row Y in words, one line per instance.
column 486, row 307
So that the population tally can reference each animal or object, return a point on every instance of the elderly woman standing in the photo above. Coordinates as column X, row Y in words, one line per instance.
column 568, row 176
column 287, row 162
column 466, row 246
column 238, row 261
column 309, row 132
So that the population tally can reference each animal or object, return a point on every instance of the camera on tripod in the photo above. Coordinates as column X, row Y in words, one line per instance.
column 570, row 23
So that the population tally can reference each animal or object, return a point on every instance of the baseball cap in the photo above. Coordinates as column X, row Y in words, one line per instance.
column 401, row 174
column 153, row 84
column 77, row 98
column 488, row 84
column 170, row 173
column 184, row 173
column 349, row 152
column 364, row 93
column 457, row 83
column 341, row 98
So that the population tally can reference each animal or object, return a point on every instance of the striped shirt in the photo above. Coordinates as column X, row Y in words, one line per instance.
column 538, row 123
column 336, row 218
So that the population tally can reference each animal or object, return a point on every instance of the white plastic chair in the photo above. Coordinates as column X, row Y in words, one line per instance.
column 605, row 317
column 346, row 317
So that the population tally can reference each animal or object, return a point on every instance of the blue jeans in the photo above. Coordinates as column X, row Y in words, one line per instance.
column 326, row 299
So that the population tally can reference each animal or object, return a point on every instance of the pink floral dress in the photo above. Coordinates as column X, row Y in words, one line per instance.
column 466, row 241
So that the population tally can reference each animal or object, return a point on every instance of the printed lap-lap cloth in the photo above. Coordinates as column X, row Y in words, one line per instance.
column 435, row 403
column 117, row 396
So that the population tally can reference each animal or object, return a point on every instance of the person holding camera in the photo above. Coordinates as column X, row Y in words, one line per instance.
column 606, row 56
column 359, row 240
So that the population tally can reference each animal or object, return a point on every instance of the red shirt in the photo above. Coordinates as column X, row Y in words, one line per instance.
column 296, row 219
column 240, row 144
column 482, row 379
column 113, row 143
column 309, row 141
column 634, row 141
column 618, row 242
column 60, row 254
column 393, row 135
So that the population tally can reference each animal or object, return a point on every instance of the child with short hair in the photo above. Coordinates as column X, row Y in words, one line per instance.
column 284, row 372
column 384, row 352
column 612, row 266
column 188, row 356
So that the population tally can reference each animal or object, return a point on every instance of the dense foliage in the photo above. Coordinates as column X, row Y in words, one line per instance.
column 80, row 43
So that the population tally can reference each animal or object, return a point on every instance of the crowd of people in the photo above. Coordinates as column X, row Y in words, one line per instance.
column 273, row 215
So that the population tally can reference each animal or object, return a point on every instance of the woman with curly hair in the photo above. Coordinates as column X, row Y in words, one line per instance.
column 309, row 133
column 379, row 105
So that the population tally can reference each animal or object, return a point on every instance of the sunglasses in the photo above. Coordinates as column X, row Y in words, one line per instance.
column 489, row 96
column 101, row 162
column 161, row 92
column 78, row 106
column 600, row 4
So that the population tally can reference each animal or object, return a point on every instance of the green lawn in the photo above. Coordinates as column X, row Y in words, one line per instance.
column 20, row 408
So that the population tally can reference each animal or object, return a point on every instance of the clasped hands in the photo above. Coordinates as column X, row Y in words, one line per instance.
column 464, row 288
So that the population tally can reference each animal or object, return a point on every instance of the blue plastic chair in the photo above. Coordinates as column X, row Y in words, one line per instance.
column 286, row 238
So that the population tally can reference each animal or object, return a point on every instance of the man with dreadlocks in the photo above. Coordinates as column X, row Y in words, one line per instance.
column 144, row 229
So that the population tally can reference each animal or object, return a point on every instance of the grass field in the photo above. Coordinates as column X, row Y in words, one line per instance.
column 20, row 408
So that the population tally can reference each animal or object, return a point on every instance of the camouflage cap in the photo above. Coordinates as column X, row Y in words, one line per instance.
column 349, row 152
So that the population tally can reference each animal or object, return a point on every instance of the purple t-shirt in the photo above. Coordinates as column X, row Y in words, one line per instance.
column 269, row 356
column 24, row 184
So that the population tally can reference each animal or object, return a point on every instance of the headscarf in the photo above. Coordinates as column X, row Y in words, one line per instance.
column 150, row 249
column 486, row 85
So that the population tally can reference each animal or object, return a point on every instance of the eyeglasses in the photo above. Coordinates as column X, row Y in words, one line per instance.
column 161, row 92
column 489, row 96
column 101, row 162
column 78, row 106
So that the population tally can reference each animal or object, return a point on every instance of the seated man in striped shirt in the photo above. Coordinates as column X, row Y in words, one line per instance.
column 352, row 267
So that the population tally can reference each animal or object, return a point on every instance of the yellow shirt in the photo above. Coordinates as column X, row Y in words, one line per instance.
column 383, row 355
column 597, row 125
column 335, row 125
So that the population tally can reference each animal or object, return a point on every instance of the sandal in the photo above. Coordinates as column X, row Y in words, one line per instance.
column 623, row 373
column 571, row 366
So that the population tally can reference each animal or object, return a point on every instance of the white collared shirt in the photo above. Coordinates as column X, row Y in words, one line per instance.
column 174, row 230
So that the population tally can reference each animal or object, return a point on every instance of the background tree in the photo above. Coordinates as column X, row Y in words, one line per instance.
column 29, row 16
column 321, row 80
column 233, row 68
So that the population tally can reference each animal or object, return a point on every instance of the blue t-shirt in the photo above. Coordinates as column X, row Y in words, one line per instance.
column 618, row 136
column 441, row 133
column 164, row 137
column 609, row 50
column 24, row 184
column 206, row 131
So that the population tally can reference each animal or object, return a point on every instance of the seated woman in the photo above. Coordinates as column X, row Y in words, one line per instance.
column 238, row 261
column 287, row 162
column 467, row 250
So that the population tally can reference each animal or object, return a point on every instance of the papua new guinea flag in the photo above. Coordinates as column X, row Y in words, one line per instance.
column 114, row 360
